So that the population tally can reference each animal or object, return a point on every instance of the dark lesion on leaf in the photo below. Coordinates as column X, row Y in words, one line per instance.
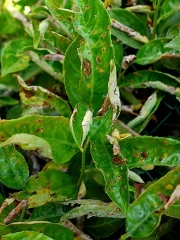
column 98, row 59
column 164, row 198
column 87, row 67
column 40, row 130
column 144, row 154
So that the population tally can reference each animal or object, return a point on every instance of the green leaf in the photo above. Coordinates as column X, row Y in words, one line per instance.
column 10, row 62
column 129, row 20
column 102, row 227
column 38, row 13
column 59, row 42
column 115, row 175
column 51, row 69
column 174, row 44
column 49, row 212
column 54, row 130
column 28, row 235
column 91, row 208
column 148, row 109
column 173, row 31
column 50, row 185
column 36, row 95
column 148, row 203
column 52, row 230
column 165, row 24
column 154, row 79
column 30, row 142
column 72, row 77
column 6, row 100
column 39, row 29
column 95, row 52
column 14, row 170
column 174, row 210
column 151, row 51
column 63, row 16
column 146, row 150
column 168, row 8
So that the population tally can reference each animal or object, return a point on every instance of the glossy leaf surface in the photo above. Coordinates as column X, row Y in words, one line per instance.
column 51, row 230
column 14, row 170
column 54, row 130
column 145, row 150
column 174, row 44
column 151, row 51
column 142, row 216
column 93, row 57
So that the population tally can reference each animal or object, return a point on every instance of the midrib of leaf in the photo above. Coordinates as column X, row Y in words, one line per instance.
column 6, row 156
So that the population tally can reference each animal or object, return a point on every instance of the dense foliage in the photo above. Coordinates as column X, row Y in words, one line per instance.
column 89, row 136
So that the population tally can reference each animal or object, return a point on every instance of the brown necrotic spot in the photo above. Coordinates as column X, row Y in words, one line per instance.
column 98, row 60
column 164, row 198
column 39, row 120
column 87, row 67
column 40, row 130
column 144, row 154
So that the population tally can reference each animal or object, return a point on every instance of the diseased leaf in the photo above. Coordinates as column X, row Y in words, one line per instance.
column 54, row 130
column 146, row 150
column 154, row 79
column 63, row 16
column 130, row 20
column 113, row 168
column 50, row 185
column 28, row 235
column 148, row 109
column 76, row 124
column 14, row 170
column 12, row 63
column 59, row 42
column 174, row 210
column 95, row 52
column 152, row 51
column 113, row 91
column 144, row 214
column 36, row 95
column 30, row 142
column 93, row 208
column 39, row 29
column 52, row 230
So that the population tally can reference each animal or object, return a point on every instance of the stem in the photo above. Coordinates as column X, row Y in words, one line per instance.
column 83, row 162
column 156, row 14
column 22, row 214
